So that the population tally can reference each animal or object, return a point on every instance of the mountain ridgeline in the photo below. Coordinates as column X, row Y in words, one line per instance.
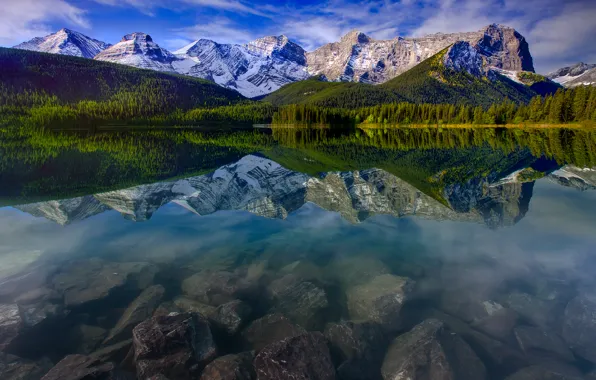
column 264, row 65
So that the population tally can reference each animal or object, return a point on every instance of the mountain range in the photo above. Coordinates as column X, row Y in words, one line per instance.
column 576, row 75
column 264, row 65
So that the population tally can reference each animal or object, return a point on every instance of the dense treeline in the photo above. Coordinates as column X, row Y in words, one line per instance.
column 565, row 106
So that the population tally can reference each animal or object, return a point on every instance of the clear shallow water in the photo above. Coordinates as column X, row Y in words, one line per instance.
column 466, row 235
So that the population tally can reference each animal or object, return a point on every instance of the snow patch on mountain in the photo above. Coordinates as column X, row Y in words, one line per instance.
column 576, row 75
column 65, row 42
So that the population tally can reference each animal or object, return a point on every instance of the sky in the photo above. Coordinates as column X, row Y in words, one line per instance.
column 560, row 32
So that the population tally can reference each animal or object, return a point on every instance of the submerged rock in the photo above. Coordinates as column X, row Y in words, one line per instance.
column 499, row 323
column 231, row 316
column 269, row 329
column 188, row 305
column 80, row 367
column 430, row 351
column 542, row 313
column 10, row 324
column 115, row 353
column 380, row 300
column 15, row 368
column 176, row 346
column 215, row 288
column 88, row 280
column 304, row 356
column 86, row 338
column 230, row 367
column 579, row 326
column 357, row 348
column 539, row 373
column 301, row 301
column 139, row 310
column 537, row 342
column 356, row 270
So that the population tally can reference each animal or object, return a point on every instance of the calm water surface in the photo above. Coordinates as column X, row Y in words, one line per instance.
column 476, row 246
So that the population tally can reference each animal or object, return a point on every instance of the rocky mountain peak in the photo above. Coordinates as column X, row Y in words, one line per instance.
column 579, row 74
column 505, row 48
column 462, row 56
column 65, row 42
column 355, row 37
column 138, row 37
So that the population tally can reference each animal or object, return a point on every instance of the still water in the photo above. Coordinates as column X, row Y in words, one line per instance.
column 418, row 254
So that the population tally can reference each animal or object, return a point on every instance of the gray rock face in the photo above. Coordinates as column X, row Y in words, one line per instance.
column 230, row 367
column 176, row 346
column 535, row 342
column 380, row 300
column 429, row 351
column 269, row 329
column 215, row 288
column 357, row 57
column 539, row 373
column 304, row 356
column 139, row 310
column 579, row 326
column 301, row 301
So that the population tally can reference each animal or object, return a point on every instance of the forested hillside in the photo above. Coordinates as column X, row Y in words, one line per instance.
column 26, row 78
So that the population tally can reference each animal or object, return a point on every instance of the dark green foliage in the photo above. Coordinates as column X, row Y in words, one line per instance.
column 577, row 104
column 538, row 83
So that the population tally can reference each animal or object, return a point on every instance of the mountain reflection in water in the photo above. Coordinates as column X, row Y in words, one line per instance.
column 478, row 242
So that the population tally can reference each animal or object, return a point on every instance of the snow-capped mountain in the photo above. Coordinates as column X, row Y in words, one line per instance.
column 264, row 65
column 576, row 75
column 254, row 69
column 66, row 42
column 357, row 57
column 139, row 50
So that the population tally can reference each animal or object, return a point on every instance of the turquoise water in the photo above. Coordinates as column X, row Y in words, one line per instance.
column 489, row 241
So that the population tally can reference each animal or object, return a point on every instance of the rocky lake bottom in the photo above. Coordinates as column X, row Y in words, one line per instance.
column 254, row 270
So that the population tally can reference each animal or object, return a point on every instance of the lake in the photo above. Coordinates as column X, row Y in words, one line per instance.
column 417, row 253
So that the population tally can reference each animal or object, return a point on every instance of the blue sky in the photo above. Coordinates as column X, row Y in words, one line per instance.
column 559, row 32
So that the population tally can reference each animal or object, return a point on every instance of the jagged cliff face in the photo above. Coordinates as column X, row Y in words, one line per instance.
column 358, row 57
column 66, row 42
column 572, row 176
column 139, row 50
column 263, row 187
column 254, row 69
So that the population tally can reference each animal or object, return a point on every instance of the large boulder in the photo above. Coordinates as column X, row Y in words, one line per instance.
column 431, row 351
column 301, row 301
column 139, row 310
column 304, row 357
column 540, row 373
column 380, row 300
column 177, row 346
column 80, row 367
column 269, row 329
column 84, row 281
column 231, row 316
column 537, row 342
column 231, row 367
column 537, row 311
column 579, row 326
column 357, row 348
column 501, row 359
column 216, row 288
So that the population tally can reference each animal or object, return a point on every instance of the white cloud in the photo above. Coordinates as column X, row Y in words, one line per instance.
column 24, row 19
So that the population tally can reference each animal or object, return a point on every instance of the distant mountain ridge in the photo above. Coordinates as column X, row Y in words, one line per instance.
column 576, row 75
column 66, row 42
column 264, row 65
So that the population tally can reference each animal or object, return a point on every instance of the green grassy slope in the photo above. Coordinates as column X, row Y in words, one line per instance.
column 73, row 79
